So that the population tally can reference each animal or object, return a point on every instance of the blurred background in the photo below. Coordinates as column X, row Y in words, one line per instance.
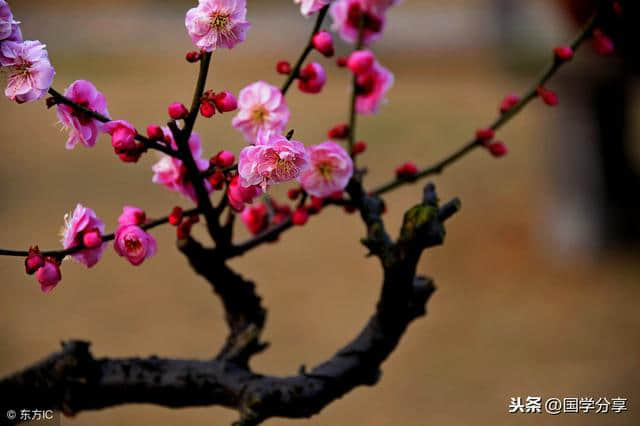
column 538, row 281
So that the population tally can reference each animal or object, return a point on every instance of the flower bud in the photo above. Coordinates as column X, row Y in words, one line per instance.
column 406, row 170
column 323, row 42
column 312, row 78
column 602, row 43
column 177, row 111
column 175, row 218
column 563, row 53
column 339, row 131
column 359, row 147
column 342, row 61
column 548, row 96
column 33, row 261
column 193, row 56
column 361, row 61
column 509, row 102
column 485, row 135
column 293, row 193
column 49, row 275
column 207, row 109
column 300, row 216
column 225, row 102
column 498, row 149
column 155, row 133
column 223, row 159
column 283, row 67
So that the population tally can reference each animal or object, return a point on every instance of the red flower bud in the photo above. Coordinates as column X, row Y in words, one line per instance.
column 217, row 179
column 223, row 159
column 207, row 109
column 485, row 135
column 283, row 67
column 406, row 170
column 34, row 261
column 509, row 102
column 177, row 111
column 175, row 218
column 342, row 61
column 359, row 147
column 155, row 133
column 339, row 131
column 563, row 53
column 548, row 96
column 225, row 102
column 300, row 216
column 92, row 238
column 193, row 56
column 498, row 149
column 323, row 42
column 602, row 43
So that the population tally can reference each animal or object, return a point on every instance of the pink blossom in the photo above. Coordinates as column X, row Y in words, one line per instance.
column 263, row 111
column 83, row 221
column 82, row 128
column 347, row 15
column 133, row 243
column 170, row 171
column 7, row 23
column 217, row 23
column 308, row 7
column 132, row 216
column 330, row 170
column 255, row 218
column 273, row 161
column 49, row 275
column 30, row 73
column 239, row 195
column 312, row 78
column 361, row 61
column 371, row 89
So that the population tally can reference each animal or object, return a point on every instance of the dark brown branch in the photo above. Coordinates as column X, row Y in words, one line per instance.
column 554, row 65
column 243, row 310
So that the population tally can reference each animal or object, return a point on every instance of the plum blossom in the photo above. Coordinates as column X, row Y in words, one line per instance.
column 239, row 195
column 347, row 14
column 255, row 218
column 312, row 78
column 7, row 24
column 371, row 88
column 80, row 227
column 272, row 161
column 217, row 23
column 330, row 170
column 82, row 128
column 263, row 111
column 309, row 7
column 170, row 171
column 30, row 73
column 133, row 243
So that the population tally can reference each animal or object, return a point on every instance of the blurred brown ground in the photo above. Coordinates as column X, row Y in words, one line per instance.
column 510, row 317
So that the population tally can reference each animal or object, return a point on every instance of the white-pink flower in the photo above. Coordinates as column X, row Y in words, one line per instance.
column 263, row 111
column 83, row 227
column 217, row 23
column 330, row 170
column 273, row 161
column 134, row 244
column 371, row 88
column 30, row 73
column 82, row 128
column 308, row 7
column 347, row 14
column 171, row 173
